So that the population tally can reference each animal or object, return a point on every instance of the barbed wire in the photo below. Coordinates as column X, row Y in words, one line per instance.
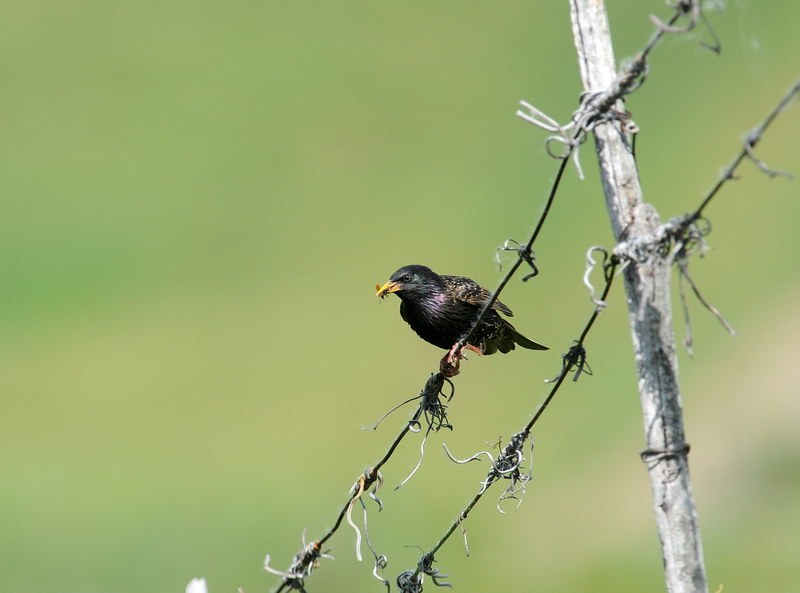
column 434, row 412
column 594, row 108
column 508, row 463
column 597, row 107
column 751, row 139
column 687, row 237
column 681, row 237
column 689, row 240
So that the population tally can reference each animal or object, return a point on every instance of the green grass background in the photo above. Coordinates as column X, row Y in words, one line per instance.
column 197, row 201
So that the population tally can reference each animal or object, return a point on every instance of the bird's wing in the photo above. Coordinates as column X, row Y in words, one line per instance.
column 466, row 289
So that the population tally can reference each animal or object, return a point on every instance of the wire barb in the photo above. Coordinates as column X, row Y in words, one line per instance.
column 590, row 265
column 690, row 7
column 505, row 466
column 508, row 466
column 426, row 567
column 751, row 139
column 409, row 581
column 748, row 144
column 381, row 561
column 524, row 252
column 566, row 134
column 303, row 564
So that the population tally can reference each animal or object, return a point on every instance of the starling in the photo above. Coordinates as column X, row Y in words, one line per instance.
column 442, row 309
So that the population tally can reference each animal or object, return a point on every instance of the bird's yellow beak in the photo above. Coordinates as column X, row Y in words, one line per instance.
column 386, row 289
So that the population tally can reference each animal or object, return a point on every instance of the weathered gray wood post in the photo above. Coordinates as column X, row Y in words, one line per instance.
column 647, row 284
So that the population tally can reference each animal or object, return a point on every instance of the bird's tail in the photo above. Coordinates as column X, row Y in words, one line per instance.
column 505, row 340
column 523, row 341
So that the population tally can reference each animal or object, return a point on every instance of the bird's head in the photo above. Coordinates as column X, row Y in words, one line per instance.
column 413, row 282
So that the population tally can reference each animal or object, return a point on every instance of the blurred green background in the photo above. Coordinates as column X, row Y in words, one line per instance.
column 198, row 199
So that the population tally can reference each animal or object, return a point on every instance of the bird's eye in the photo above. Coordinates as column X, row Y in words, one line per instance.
column 406, row 278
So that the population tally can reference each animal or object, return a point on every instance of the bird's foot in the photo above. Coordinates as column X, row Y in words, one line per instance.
column 450, row 364
column 475, row 349
column 449, row 367
column 455, row 355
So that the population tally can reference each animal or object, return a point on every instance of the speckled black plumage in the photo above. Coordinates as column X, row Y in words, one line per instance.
column 441, row 309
